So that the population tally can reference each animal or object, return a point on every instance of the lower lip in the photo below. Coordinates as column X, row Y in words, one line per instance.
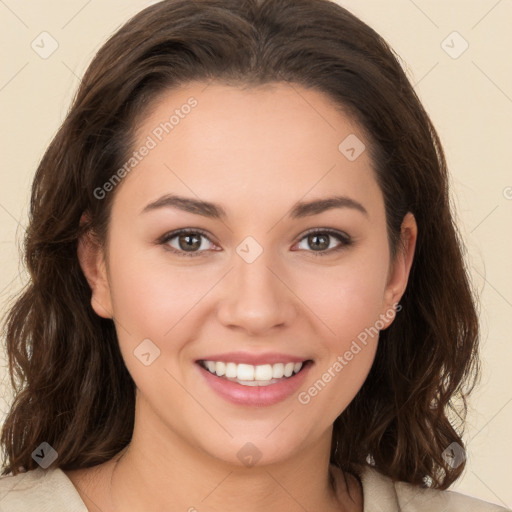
column 256, row 396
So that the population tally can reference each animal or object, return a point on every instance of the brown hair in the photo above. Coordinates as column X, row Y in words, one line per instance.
column 74, row 390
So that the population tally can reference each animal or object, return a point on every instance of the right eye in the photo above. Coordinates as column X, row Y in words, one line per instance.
column 186, row 239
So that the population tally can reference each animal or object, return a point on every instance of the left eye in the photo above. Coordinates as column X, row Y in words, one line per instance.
column 320, row 239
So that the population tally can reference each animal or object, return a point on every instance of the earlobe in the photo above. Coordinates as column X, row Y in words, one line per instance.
column 92, row 262
column 401, row 267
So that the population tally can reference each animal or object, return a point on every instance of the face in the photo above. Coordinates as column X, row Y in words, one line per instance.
column 251, row 282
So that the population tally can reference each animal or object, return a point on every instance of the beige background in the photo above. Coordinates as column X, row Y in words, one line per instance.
column 469, row 99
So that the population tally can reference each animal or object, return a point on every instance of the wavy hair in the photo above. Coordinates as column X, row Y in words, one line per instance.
column 72, row 388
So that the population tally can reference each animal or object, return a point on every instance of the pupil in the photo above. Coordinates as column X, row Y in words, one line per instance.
column 325, row 245
column 195, row 245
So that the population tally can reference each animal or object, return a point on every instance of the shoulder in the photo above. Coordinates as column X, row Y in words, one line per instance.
column 40, row 489
column 383, row 494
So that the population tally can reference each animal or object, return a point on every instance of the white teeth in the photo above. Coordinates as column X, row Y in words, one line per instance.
column 263, row 372
column 218, row 368
column 247, row 374
column 278, row 370
column 288, row 369
column 231, row 370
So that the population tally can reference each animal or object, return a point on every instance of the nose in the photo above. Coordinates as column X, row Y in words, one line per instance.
column 256, row 297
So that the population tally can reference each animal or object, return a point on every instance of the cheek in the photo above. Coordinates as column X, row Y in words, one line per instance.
column 155, row 303
column 347, row 298
column 151, row 299
column 348, row 305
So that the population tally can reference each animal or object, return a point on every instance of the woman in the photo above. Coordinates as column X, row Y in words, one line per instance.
column 247, row 290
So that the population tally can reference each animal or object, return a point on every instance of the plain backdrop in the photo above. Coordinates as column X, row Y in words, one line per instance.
column 456, row 53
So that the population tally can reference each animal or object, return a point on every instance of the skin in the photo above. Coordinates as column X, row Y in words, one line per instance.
column 256, row 152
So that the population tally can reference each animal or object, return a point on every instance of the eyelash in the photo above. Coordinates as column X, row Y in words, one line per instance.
column 345, row 239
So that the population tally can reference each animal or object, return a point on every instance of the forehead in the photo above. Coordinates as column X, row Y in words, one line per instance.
column 271, row 144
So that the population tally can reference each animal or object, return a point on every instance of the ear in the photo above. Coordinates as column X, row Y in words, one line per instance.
column 398, row 274
column 92, row 261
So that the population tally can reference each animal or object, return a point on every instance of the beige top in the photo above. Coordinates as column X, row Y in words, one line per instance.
column 51, row 490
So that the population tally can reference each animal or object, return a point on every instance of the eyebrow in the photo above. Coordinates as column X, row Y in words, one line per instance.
column 215, row 211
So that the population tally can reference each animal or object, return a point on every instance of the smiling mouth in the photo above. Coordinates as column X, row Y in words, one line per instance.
column 254, row 375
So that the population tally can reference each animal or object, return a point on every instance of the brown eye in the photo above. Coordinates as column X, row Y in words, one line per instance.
column 186, row 242
column 321, row 241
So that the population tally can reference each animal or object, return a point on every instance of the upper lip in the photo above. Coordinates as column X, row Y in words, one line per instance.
column 254, row 359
